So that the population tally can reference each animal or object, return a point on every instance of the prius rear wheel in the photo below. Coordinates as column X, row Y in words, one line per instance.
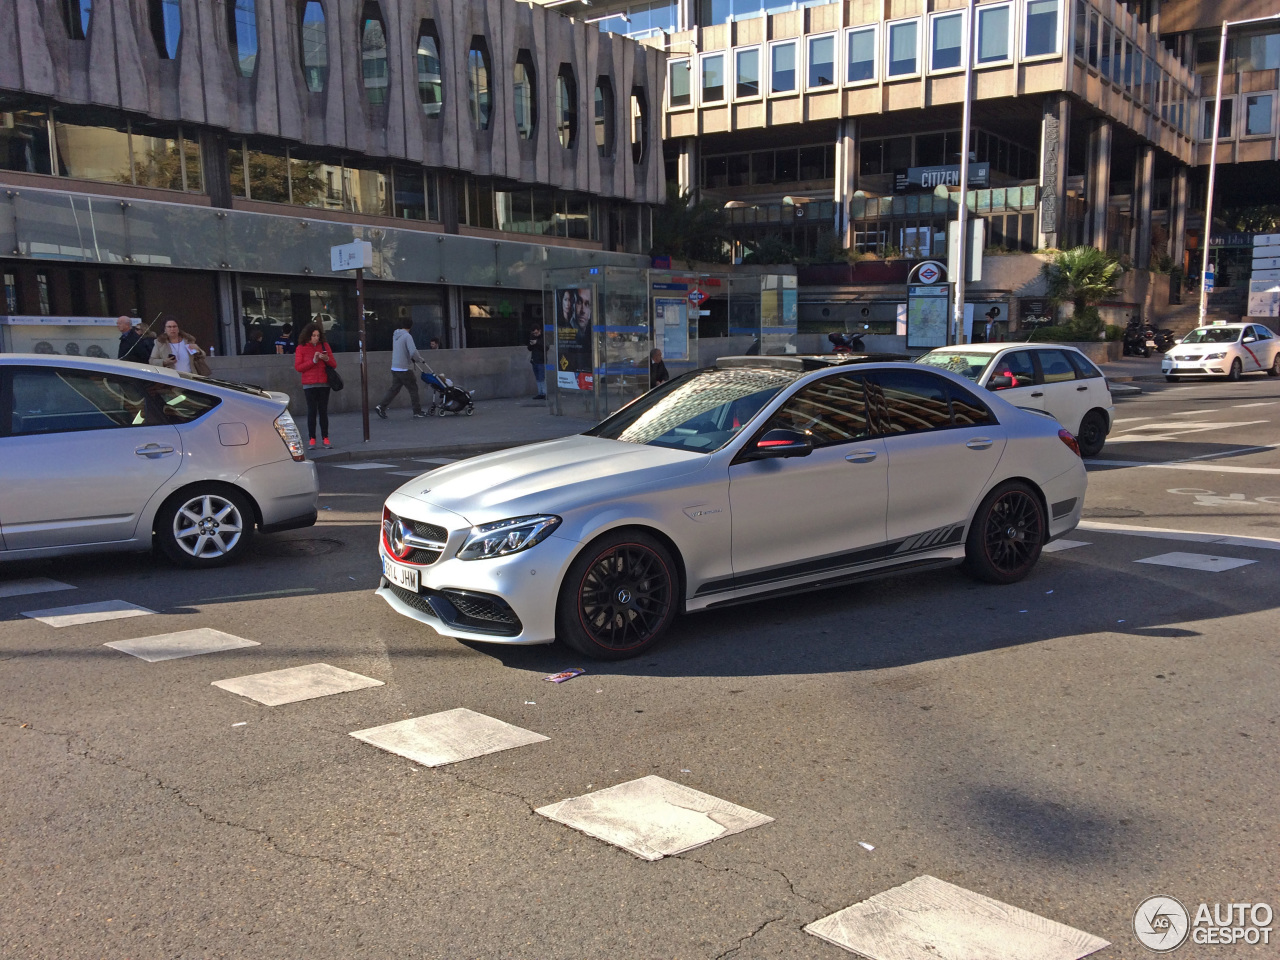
column 619, row 596
column 1006, row 535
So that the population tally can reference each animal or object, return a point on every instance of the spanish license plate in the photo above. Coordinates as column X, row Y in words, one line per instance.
column 400, row 575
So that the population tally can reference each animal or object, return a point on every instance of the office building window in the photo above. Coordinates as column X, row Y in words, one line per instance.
column 1117, row 56
column 1093, row 38
column 566, row 107
column 416, row 194
column 166, row 27
column 367, row 189
column 1104, row 63
column 24, row 141
column 604, row 111
column 1206, row 111
column 373, row 53
column 1041, row 28
column 1257, row 115
column 782, row 71
column 678, row 93
column 430, row 86
column 747, row 73
column 479, row 96
column 639, row 125
column 903, row 48
column 243, row 35
column 76, row 15
column 640, row 20
column 1080, row 29
column 93, row 146
column 524, row 101
column 993, row 33
column 946, row 45
column 315, row 46
column 1128, row 67
column 713, row 78
column 822, row 61
column 862, row 55
column 1258, row 52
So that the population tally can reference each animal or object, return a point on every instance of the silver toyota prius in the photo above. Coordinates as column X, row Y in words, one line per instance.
column 103, row 455
column 756, row 477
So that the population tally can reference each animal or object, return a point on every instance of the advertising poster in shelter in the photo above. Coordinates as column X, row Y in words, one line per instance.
column 575, row 340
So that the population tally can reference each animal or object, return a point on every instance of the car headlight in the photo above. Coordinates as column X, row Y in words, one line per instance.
column 1215, row 356
column 505, row 537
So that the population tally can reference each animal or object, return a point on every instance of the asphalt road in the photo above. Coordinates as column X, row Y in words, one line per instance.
column 1100, row 733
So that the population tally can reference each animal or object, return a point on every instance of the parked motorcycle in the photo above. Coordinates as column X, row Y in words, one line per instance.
column 1135, row 340
column 846, row 343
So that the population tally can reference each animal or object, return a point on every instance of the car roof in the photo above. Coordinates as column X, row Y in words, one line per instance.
column 1236, row 325
column 806, row 363
column 990, row 349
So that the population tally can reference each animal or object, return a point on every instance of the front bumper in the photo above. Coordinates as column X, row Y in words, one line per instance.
column 504, row 600
column 1196, row 368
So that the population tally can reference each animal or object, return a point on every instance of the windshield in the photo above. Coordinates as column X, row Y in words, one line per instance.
column 699, row 412
column 968, row 365
column 1213, row 335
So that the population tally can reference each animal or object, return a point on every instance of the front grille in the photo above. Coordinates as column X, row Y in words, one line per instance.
column 429, row 531
column 417, row 601
column 423, row 557
column 476, row 607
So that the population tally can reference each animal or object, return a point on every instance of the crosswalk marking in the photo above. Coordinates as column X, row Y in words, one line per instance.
column 81, row 613
column 294, row 684
column 1196, row 561
column 653, row 818
column 21, row 588
column 448, row 737
column 184, row 643
column 1059, row 545
column 930, row 919
column 367, row 465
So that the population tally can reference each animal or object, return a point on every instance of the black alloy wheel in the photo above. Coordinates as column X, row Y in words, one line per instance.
column 618, row 597
column 1093, row 434
column 1007, row 534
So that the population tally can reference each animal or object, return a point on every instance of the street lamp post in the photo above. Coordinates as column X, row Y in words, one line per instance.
column 1213, row 158
column 962, row 239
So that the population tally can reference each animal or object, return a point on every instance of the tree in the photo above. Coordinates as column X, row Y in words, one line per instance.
column 1083, row 277
column 685, row 232
column 771, row 248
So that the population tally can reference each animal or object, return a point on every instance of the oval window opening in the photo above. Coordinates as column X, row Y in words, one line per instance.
column 566, row 107
column 525, row 96
column 430, row 86
column 166, row 27
column 243, row 31
column 639, row 125
column 315, row 47
column 373, row 54
column 76, row 15
column 604, row 116
column 480, row 99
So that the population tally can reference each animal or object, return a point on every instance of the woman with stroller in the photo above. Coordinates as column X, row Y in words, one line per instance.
column 313, row 360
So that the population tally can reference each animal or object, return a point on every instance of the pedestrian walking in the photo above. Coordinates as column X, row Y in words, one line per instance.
column 538, row 360
column 284, row 343
column 313, row 359
column 134, row 347
column 178, row 351
column 404, row 352
column 657, row 369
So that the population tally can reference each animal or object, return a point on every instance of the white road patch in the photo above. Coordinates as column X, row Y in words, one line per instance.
column 1177, row 429
column 653, row 818
column 1194, row 413
column 405, row 473
column 20, row 588
column 363, row 466
column 1059, row 545
column 448, row 737
column 184, row 643
column 1185, row 465
column 1197, row 561
column 296, row 683
column 1190, row 536
column 1264, row 403
column 440, row 460
column 87, row 613
column 1130, row 419
column 930, row 919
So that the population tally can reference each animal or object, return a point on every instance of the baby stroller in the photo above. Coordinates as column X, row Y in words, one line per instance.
column 446, row 398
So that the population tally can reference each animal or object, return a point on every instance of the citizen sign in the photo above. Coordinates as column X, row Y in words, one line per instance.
column 945, row 175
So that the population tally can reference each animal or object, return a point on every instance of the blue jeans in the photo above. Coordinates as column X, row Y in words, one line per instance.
column 539, row 374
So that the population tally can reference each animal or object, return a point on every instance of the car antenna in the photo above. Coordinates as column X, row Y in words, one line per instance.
column 148, row 327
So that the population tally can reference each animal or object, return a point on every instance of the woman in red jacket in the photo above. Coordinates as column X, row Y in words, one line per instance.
column 312, row 360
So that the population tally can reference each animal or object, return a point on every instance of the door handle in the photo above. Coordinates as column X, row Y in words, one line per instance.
column 1081, row 389
column 861, row 456
column 152, row 450
column 979, row 443
column 1038, row 393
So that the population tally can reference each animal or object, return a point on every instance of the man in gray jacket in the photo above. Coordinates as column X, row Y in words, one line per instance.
column 403, row 353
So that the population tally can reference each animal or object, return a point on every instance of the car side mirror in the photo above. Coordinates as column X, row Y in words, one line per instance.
column 1002, row 382
column 777, row 444
column 1249, row 339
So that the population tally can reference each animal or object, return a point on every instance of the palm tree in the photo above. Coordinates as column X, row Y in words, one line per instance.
column 1083, row 277
column 690, row 232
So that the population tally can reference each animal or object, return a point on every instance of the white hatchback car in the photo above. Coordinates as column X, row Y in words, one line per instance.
column 1224, row 350
column 757, row 477
column 1055, row 378
column 105, row 455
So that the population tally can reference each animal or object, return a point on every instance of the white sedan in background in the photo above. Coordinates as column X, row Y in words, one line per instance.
column 1055, row 378
column 1224, row 350
column 758, row 477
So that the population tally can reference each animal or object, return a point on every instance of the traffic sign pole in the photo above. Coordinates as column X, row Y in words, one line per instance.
column 357, row 255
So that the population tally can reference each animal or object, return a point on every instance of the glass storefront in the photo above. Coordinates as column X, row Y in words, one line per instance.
column 500, row 318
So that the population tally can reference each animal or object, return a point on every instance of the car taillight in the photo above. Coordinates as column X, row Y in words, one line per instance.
column 288, row 431
column 1066, row 437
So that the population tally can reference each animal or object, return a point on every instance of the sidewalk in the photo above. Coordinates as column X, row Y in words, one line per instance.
column 496, row 425
column 499, row 424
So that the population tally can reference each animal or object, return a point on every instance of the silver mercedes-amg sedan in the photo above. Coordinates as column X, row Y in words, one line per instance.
column 756, row 477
